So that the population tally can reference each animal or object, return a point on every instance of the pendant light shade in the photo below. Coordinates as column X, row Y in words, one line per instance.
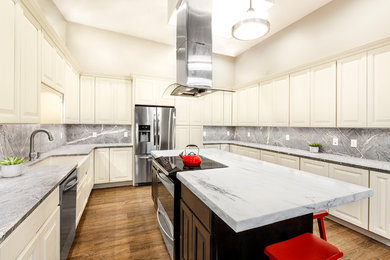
column 251, row 26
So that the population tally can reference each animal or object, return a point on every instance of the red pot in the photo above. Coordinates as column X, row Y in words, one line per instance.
column 191, row 159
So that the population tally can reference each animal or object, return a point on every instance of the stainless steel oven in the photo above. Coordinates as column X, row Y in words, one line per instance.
column 165, row 206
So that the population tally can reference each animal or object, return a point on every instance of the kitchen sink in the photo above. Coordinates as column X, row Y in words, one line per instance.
column 60, row 160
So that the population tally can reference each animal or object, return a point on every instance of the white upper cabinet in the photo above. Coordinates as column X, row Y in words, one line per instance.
column 265, row 104
column 352, row 91
column 48, row 63
column 248, row 106
column 300, row 99
column 379, row 87
column 234, row 109
column 122, row 102
column 207, row 110
column 71, row 96
column 9, row 95
column 28, row 42
column 227, row 108
column 87, row 100
column 149, row 91
column 182, row 136
column 195, row 111
column 60, row 73
column 196, row 135
column 182, row 106
column 323, row 95
column 217, row 108
column 280, row 104
column 104, row 101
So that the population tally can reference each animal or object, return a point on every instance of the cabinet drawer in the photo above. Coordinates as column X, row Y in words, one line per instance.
column 215, row 146
column 313, row 166
column 269, row 157
column 25, row 232
column 289, row 161
column 201, row 211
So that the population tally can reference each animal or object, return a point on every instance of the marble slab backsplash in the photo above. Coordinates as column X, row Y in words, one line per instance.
column 371, row 143
column 83, row 134
column 218, row 133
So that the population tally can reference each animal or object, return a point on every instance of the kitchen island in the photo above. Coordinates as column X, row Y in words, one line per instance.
column 251, row 204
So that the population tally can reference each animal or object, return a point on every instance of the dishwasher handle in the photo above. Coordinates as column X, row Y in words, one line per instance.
column 71, row 184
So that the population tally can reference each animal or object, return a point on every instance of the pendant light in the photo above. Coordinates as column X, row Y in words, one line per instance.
column 251, row 26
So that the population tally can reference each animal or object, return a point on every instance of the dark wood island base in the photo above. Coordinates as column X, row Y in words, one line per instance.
column 204, row 236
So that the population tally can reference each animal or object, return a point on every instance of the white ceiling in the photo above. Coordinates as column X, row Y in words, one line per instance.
column 148, row 19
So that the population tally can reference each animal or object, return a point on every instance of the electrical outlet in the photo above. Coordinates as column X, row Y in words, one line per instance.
column 353, row 143
column 126, row 134
column 94, row 134
column 61, row 135
column 335, row 141
column 228, row 133
column 287, row 137
column 204, row 133
column 249, row 134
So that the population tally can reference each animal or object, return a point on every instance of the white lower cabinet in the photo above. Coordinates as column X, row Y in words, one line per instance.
column 380, row 204
column 289, row 161
column 225, row 147
column 84, row 188
column 253, row 153
column 113, row 165
column 38, row 236
column 316, row 167
column 356, row 212
column 212, row 146
column 269, row 157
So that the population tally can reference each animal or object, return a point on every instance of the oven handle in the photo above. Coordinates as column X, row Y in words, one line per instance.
column 161, row 226
column 166, row 182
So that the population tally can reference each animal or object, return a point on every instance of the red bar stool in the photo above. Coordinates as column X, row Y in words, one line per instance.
column 320, row 220
column 304, row 247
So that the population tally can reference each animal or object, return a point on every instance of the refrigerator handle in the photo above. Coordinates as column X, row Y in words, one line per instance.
column 158, row 132
column 154, row 130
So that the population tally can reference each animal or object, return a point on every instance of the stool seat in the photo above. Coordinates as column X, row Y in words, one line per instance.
column 304, row 247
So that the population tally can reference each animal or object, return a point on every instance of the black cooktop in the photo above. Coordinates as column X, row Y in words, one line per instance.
column 174, row 164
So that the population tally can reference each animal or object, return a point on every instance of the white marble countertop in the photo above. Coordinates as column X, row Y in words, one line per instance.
column 250, row 193
column 19, row 196
column 381, row 166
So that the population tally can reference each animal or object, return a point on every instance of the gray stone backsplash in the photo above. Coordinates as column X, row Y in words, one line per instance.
column 15, row 139
column 218, row 133
column 371, row 143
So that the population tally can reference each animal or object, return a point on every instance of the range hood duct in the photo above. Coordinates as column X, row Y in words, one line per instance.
column 193, row 51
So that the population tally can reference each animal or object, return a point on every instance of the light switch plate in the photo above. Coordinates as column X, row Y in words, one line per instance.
column 94, row 134
column 335, row 141
column 353, row 143
column 126, row 134
column 287, row 137
column 228, row 133
column 249, row 134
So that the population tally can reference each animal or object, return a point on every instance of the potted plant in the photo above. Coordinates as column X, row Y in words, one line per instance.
column 315, row 147
column 12, row 167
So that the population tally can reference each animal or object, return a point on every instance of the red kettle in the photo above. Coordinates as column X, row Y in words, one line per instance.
column 191, row 159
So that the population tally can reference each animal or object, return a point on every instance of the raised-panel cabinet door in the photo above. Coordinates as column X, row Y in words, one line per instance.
column 217, row 108
column 71, row 96
column 234, row 109
column 356, row 212
column 185, row 232
column 196, row 135
column 300, row 99
column 48, row 63
column 104, row 101
column 207, row 110
column 314, row 166
column 253, row 153
column 28, row 72
column 161, row 100
column 60, row 73
column 281, row 108
column 120, row 164
column 252, row 106
column 182, row 106
column 122, row 102
column 378, row 87
column 50, row 237
column 241, row 108
column 212, row 146
column 269, row 157
column 102, row 165
column 201, row 242
column 227, row 108
column 234, row 149
column 323, row 95
column 196, row 111
column 33, row 251
column 145, row 91
column 380, row 204
column 266, row 104
column 87, row 100
column 352, row 91
column 225, row 147
column 182, row 136
column 9, row 111
column 289, row 161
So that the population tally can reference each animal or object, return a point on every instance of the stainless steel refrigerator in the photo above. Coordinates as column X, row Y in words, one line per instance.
column 154, row 129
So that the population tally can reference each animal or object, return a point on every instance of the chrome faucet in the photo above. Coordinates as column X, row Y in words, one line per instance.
column 35, row 155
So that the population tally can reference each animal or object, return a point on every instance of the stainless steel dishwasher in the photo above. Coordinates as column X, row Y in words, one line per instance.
column 68, row 194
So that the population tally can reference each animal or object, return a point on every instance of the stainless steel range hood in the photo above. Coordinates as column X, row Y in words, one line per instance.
column 193, row 51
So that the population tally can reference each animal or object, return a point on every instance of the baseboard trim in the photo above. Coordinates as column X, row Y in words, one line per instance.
column 112, row 185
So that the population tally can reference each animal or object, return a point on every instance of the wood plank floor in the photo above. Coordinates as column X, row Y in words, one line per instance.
column 120, row 223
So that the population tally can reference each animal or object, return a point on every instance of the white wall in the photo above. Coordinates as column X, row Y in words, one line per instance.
column 100, row 51
column 54, row 17
column 338, row 26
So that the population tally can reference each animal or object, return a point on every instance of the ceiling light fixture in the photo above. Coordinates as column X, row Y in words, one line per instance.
column 252, row 25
